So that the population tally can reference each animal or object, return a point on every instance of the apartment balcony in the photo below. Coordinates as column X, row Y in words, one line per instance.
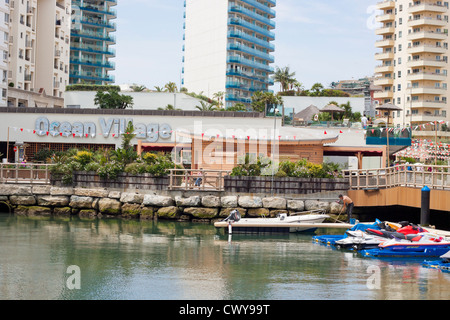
column 384, row 69
column 237, row 98
column 253, row 27
column 384, row 56
column 427, row 7
column 110, row 13
column 385, row 17
column 111, row 26
column 427, row 90
column 260, row 6
column 251, row 14
column 251, row 39
column 250, row 76
column 384, row 43
column 93, row 49
column 427, row 63
column 424, row 117
column 93, row 35
column 93, row 76
column 426, row 76
column 426, row 48
column 428, row 104
column 427, row 21
column 383, row 95
column 423, row 35
column 251, row 51
column 385, row 5
column 93, row 63
column 384, row 31
column 383, row 82
column 250, row 63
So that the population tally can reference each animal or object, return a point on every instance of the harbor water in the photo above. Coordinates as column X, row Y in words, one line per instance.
column 51, row 258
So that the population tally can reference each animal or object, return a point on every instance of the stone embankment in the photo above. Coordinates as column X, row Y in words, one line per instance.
column 61, row 201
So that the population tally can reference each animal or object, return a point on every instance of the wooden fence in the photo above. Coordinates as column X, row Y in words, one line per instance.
column 192, row 179
column 405, row 175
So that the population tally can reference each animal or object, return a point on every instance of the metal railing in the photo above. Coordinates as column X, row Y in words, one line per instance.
column 201, row 180
column 26, row 173
column 404, row 175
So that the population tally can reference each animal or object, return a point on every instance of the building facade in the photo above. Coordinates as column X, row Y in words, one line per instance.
column 228, row 48
column 92, row 41
column 4, row 48
column 413, row 60
column 39, row 38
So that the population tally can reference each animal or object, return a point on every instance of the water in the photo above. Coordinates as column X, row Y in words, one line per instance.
column 134, row 260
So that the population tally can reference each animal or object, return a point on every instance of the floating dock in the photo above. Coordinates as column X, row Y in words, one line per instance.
column 255, row 227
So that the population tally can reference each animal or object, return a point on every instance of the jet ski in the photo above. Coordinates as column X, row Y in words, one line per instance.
column 442, row 264
column 418, row 245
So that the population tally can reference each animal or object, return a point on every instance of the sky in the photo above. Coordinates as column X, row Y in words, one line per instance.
column 320, row 40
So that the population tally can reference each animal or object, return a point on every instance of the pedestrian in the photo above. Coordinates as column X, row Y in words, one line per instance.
column 364, row 121
column 348, row 205
column 199, row 180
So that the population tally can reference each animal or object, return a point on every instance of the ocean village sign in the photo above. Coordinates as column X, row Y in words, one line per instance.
column 113, row 127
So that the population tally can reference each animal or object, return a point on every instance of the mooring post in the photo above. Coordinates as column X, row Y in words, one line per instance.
column 425, row 208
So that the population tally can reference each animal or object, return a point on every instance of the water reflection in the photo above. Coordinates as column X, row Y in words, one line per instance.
column 127, row 259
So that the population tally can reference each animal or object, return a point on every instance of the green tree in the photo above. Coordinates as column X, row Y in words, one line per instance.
column 112, row 99
column 171, row 87
column 284, row 77
column 261, row 101
column 204, row 106
column 316, row 89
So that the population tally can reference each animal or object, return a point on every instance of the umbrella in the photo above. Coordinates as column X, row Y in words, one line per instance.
column 332, row 108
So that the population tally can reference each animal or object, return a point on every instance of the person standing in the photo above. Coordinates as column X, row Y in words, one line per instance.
column 348, row 205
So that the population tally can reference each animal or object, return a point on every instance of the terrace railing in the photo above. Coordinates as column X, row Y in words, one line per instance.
column 197, row 180
column 405, row 175
column 26, row 173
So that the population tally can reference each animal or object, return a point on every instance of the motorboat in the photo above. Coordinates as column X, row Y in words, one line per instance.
column 300, row 222
column 359, row 240
column 442, row 264
column 423, row 244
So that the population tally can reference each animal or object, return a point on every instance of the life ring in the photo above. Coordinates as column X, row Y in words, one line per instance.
column 316, row 117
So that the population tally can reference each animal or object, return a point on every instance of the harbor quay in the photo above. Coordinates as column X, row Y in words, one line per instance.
column 148, row 204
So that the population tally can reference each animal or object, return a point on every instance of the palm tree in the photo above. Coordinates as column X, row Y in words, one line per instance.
column 171, row 87
column 219, row 96
column 159, row 89
column 204, row 106
column 284, row 77
column 316, row 89
column 261, row 101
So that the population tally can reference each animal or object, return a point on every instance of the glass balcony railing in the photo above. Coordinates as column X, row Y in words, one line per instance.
column 254, row 52
column 93, row 35
column 93, row 63
column 260, row 6
column 397, row 136
column 96, row 23
column 112, row 13
column 251, row 14
column 91, row 76
column 241, row 22
column 251, row 76
column 251, row 39
column 250, row 63
column 93, row 49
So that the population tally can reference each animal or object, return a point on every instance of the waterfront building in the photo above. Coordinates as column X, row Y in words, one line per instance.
column 228, row 48
column 413, row 61
column 4, row 43
column 91, row 41
column 39, row 46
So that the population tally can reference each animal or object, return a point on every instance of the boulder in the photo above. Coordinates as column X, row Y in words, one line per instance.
column 41, row 190
column 53, row 201
column 225, row 212
column 131, row 209
column 78, row 202
column 250, row 202
column 335, row 208
column 274, row 203
column 96, row 193
column 202, row 213
column 32, row 211
column 109, row 206
column 114, row 194
column 65, row 211
column 211, row 201
column 147, row 213
column 61, row 191
column 168, row 213
column 316, row 205
column 132, row 198
column 229, row 202
column 22, row 200
column 14, row 190
column 87, row 213
column 258, row 212
column 296, row 205
column 157, row 201
column 193, row 201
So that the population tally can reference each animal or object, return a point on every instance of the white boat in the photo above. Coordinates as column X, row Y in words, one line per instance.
column 300, row 222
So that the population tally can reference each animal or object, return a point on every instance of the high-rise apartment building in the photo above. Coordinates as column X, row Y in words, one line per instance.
column 39, row 38
column 4, row 44
column 91, row 41
column 413, row 56
column 228, row 48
